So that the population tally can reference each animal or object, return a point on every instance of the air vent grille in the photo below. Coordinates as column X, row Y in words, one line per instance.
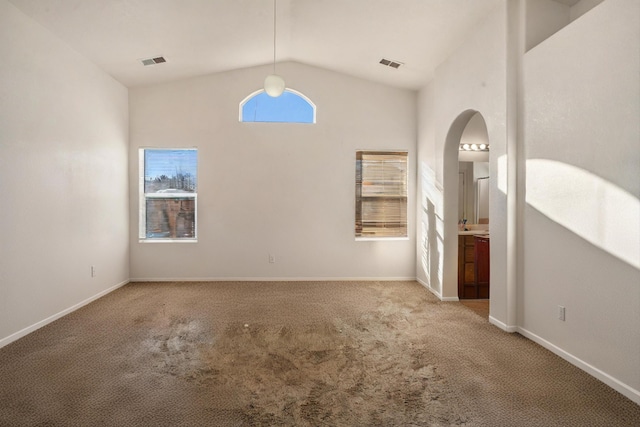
column 390, row 63
column 153, row 61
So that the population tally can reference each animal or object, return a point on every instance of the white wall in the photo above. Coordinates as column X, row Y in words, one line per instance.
column 473, row 156
column 429, row 198
column 474, row 133
column 544, row 18
column 63, row 177
column 582, row 7
column 273, row 188
column 471, row 80
column 582, row 237
column 581, row 248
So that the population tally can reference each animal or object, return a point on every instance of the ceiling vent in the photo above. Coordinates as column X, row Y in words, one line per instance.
column 389, row 63
column 153, row 61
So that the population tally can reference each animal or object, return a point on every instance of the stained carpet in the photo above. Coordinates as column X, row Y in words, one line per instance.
column 291, row 354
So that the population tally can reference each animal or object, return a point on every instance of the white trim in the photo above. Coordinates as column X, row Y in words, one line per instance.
column 272, row 279
column 244, row 101
column 163, row 240
column 171, row 196
column 295, row 92
column 142, row 196
column 612, row 382
column 381, row 238
column 433, row 291
column 407, row 163
column 21, row 333
column 306, row 98
column 142, row 217
column 436, row 293
column 502, row 325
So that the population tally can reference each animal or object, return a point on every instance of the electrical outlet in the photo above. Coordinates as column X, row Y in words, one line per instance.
column 561, row 313
column 93, row 271
column 272, row 259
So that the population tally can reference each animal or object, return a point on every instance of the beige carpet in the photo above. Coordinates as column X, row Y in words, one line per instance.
column 291, row 354
column 478, row 306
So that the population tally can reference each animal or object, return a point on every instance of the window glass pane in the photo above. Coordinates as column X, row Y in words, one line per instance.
column 168, row 194
column 171, row 218
column 287, row 108
column 170, row 171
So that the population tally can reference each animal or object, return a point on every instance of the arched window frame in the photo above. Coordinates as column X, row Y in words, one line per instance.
column 293, row 91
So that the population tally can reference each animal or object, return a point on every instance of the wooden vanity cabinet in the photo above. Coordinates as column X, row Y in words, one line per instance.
column 473, row 267
column 482, row 265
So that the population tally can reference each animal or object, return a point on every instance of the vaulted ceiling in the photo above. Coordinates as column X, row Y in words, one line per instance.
column 199, row 37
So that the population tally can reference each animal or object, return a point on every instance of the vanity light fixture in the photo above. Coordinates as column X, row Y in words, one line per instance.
column 474, row 147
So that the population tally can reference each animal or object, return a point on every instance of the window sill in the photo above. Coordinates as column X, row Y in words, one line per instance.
column 384, row 239
column 167, row 240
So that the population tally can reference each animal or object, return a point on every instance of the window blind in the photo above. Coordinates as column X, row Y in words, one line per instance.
column 381, row 194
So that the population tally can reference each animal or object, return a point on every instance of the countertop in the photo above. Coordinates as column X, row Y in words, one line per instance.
column 474, row 232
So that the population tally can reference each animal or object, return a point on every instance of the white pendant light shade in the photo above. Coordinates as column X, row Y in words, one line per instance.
column 274, row 85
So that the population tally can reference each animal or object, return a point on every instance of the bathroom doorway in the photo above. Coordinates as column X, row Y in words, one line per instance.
column 473, row 211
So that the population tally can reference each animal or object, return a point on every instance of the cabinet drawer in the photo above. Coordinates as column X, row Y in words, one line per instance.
column 469, row 240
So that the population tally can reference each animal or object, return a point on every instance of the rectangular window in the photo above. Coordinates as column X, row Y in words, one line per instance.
column 168, row 194
column 381, row 194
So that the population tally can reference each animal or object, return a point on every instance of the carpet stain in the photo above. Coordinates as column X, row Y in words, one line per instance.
column 326, row 373
column 176, row 349
column 292, row 354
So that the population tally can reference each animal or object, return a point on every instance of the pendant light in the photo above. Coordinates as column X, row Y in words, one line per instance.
column 274, row 84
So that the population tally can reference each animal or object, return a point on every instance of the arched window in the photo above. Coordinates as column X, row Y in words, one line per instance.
column 290, row 107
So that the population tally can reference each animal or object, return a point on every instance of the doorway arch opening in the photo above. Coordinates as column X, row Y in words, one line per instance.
column 466, row 206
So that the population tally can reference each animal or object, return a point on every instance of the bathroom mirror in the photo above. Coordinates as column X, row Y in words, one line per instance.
column 473, row 173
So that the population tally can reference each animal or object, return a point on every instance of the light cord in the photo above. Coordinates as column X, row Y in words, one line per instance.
column 274, row 36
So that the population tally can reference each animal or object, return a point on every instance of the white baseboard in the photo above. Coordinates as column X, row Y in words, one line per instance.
column 271, row 279
column 502, row 325
column 436, row 293
column 17, row 335
column 612, row 382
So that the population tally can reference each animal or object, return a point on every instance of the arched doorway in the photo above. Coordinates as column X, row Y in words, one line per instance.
column 469, row 127
column 473, row 213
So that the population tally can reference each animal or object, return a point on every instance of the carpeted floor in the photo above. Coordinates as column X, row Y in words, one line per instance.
column 478, row 306
column 291, row 354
